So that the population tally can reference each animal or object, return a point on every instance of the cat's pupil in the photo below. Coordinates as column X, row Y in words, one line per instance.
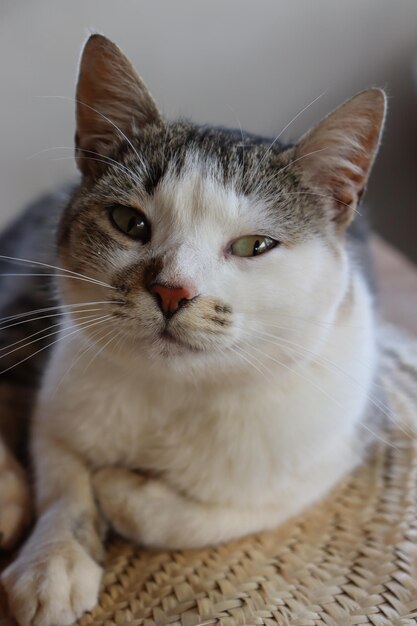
column 256, row 247
column 132, row 223
column 252, row 245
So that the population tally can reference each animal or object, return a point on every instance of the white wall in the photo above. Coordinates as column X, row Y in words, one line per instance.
column 254, row 62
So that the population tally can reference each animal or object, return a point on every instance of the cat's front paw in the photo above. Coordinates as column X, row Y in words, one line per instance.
column 15, row 503
column 142, row 509
column 117, row 490
column 54, row 587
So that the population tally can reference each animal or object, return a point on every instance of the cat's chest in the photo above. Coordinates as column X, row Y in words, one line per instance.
column 199, row 448
column 223, row 444
column 226, row 449
column 204, row 443
column 158, row 430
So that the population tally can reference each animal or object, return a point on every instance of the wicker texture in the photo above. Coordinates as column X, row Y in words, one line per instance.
column 351, row 560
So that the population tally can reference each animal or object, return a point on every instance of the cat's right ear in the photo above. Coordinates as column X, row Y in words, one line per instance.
column 112, row 103
column 337, row 155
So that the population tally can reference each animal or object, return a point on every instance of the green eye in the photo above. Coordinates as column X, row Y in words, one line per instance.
column 131, row 222
column 252, row 245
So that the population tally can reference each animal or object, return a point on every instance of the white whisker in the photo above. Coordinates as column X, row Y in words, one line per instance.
column 296, row 348
column 321, row 360
column 324, row 392
column 303, row 156
column 320, row 195
column 80, row 325
column 119, row 167
column 241, row 134
column 249, row 359
column 121, row 133
column 67, row 308
column 10, row 345
column 289, row 124
column 102, row 348
column 310, row 320
column 54, row 267
column 81, row 352
column 106, row 159
column 77, row 330
column 88, row 280
column 239, row 351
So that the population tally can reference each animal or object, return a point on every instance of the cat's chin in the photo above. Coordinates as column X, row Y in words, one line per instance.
column 164, row 348
column 174, row 351
column 175, row 356
column 178, row 353
column 172, row 342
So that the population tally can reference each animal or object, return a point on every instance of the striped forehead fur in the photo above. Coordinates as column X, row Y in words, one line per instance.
column 237, row 163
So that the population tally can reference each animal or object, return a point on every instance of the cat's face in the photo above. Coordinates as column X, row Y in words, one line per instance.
column 217, row 247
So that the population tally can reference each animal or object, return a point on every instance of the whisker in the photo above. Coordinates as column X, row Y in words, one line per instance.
column 333, row 367
column 81, row 324
column 241, row 134
column 55, row 267
column 282, row 169
column 323, row 391
column 122, row 341
column 43, row 317
column 319, row 323
column 81, row 352
column 321, row 195
column 119, row 167
column 121, row 133
column 164, row 148
column 292, row 328
column 289, row 124
column 378, row 437
column 238, row 350
column 300, row 347
column 103, row 347
column 19, row 316
column 77, row 330
column 108, row 159
column 10, row 345
column 88, row 280
column 294, row 371
column 303, row 156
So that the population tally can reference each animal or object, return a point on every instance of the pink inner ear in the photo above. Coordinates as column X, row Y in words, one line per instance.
column 112, row 101
column 343, row 148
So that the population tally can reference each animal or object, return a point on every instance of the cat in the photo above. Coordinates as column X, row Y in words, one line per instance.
column 211, row 371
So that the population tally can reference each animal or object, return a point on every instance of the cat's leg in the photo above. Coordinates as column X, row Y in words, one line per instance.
column 56, row 576
column 15, row 500
column 15, row 496
column 150, row 512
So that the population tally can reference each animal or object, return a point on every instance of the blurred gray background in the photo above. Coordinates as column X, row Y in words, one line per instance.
column 251, row 62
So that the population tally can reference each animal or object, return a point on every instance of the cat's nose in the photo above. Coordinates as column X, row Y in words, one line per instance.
column 170, row 299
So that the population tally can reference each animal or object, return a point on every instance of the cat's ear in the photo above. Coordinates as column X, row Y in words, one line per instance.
column 112, row 102
column 336, row 156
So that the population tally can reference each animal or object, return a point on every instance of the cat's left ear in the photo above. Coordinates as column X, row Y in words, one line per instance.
column 336, row 156
column 112, row 103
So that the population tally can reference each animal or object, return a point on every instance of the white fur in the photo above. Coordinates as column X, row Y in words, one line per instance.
column 238, row 436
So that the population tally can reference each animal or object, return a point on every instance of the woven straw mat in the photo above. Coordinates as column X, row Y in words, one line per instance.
column 350, row 560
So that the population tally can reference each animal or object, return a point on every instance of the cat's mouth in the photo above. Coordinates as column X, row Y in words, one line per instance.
column 168, row 337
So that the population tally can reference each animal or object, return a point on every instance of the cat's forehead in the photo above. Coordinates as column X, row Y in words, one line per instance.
column 194, row 174
column 188, row 178
column 198, row 195
column 233, row 157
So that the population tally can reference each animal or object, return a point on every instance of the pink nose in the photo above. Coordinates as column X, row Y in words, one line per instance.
column 170, row 299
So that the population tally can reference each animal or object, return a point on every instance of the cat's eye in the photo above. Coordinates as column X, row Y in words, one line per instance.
column 131, row 222
column 252, row 245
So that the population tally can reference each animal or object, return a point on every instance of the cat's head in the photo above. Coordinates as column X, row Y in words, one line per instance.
column 218, row 246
